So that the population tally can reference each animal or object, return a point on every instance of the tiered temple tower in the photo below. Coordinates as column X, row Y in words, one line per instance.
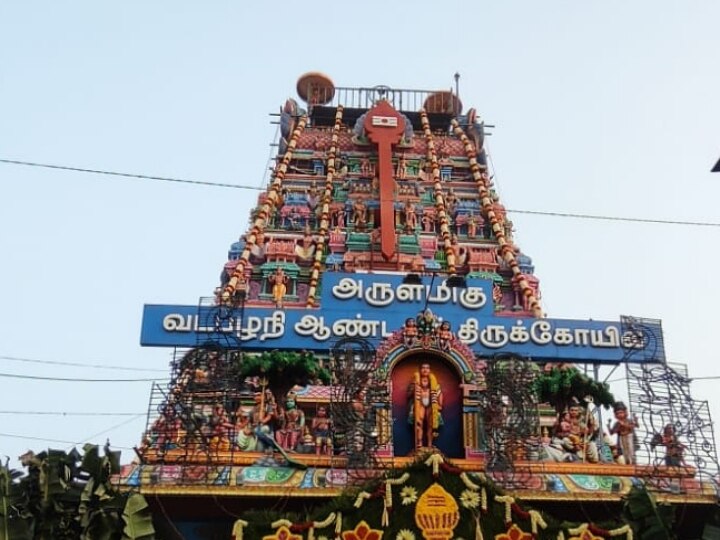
column 377, row 309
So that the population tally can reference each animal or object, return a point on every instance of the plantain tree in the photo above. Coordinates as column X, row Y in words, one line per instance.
column 560, row 386
column 64, row 496
column 283, row 369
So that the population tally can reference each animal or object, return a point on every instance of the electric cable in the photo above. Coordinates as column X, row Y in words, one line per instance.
column 65, row 413
column 78, row 364
column 128, row 175
column 69, row 379
column 254, row 188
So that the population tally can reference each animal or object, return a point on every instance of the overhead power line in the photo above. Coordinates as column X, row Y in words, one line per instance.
column 60, row 413
column 78, row 442
column 255, row 188
column 45, row 439
column 75, row 379
column 616, row 218
column 78, row 364
column 128, row 175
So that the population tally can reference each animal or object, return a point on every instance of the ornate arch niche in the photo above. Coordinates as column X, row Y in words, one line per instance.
column 460, row 376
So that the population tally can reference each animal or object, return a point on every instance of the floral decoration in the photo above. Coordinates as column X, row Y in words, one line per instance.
column 362, row 532
column 437, row 514
column 586, row 535
column 405, row 534
column 470, row 499
column 514, row 533
column 408, row 495
column 283, row 533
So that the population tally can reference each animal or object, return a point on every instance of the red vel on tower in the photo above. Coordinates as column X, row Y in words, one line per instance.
column 384, row 127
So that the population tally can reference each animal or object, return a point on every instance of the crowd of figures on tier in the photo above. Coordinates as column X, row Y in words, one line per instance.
column 577, row 436
column 198, row 425
column 261, row 427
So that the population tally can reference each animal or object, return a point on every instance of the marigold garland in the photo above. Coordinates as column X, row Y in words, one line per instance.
column 434, row 461
column 588, row 531
column 237, row 531
column 473, row 498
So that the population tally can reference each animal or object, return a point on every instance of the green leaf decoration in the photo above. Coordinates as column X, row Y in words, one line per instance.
column 138, row 519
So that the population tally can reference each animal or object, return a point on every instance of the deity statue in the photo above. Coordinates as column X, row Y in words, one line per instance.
column 264, row 417
column 167, row 427
column 578, row 431
column 245, row 437
column 497, row 296
column 428, row 221
column 359, row 214
column 410, row 217
column 366, row 167
column 221, row 427
column 306, row 249
column 338, row 218
column 410, row 333
column 674, row 449
column 321, row 428
column 292, row 422
column 401, row 171
column 279, row 282
column 427, row 325
column 426, row 402
column 625, row 429
column 445, row 336
column 471, row 226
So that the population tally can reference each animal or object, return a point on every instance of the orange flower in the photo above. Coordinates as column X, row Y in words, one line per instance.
column 283, row 533
column 514, row 533
column 362, row 532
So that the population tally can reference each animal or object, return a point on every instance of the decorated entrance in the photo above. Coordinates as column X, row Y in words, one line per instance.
column 435, row 412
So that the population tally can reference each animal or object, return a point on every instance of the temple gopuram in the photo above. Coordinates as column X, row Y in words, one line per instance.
column 375, row 361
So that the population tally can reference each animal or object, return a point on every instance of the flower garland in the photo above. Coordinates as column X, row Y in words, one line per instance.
column 237, row 530
column 325, row 215
column 506, row 248
column 439, row 199
column 472, row 498
column 260, row 222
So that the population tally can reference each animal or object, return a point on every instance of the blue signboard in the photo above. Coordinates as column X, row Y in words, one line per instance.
column 372, row 307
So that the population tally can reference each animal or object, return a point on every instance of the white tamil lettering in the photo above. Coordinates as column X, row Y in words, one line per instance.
column 410, row 293
column 273, row 326
column 562, row 336
column 310, row 325
column 473, row 298
column 348, row 288
column 518, row 333
column 252, row 327
column 607, row 338
column 355, row 328
column 633, row 339
column 379, row 294
column 174, row 322
column 468, row 332
column 540, row 332
column 494, row 336
column 441, row 295
column 582, row 337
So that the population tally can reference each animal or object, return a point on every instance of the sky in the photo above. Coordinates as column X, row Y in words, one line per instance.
column 604, row 108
